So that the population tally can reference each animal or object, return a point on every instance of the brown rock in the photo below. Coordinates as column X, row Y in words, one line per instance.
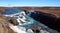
column 11, row 20
column 36, row 28
column 14, row 21
column 4, row 28
column 49, row 10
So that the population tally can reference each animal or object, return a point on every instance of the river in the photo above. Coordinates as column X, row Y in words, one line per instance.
column 30, row 21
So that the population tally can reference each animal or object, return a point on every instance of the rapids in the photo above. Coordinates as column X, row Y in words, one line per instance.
column 30, row 22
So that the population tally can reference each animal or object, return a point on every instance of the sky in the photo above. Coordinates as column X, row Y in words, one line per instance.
column 29, row 2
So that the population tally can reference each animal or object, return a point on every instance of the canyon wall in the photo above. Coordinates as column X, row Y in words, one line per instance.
column 49, row 16
column 49, row 10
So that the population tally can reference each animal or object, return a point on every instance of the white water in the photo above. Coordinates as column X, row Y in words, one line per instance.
column 16, row 29
column 12, row 15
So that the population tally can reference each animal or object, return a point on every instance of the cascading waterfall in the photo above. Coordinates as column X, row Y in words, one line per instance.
column 24, row 20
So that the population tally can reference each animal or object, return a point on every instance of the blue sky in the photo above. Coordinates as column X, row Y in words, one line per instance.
column 29, row 2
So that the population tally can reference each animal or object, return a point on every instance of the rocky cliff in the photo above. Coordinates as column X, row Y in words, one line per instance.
column 49, row 16
column 4, row 26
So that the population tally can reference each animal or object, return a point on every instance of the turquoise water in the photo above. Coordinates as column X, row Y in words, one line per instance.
column 30, row 21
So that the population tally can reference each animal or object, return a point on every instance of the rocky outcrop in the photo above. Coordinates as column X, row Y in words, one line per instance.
column 55, row 11
column 13, row 21
column 4, row 26
column 48, row 19
column 49, row 16
column 36, row 29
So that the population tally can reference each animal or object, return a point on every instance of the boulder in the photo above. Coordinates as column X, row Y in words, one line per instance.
column 13, row 21
column 36, row 29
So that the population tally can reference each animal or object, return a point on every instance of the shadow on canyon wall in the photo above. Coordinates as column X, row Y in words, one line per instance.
column 51, row 22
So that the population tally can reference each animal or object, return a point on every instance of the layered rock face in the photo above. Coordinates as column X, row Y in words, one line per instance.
column 48, row 19
column 49, row 16
column 4, row 25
